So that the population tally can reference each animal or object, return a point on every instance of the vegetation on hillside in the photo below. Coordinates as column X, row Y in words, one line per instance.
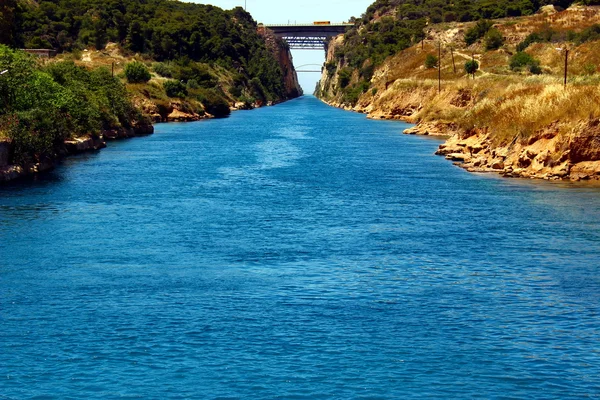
column 162, row 30
column 531, row 108
column 41, row 106
column 390, row 26
column 118, row 58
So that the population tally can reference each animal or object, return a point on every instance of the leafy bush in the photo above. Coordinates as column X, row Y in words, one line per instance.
column 136, row 72
column 344, row 77
column 236, row 91
column 535, row 68
column 175, row 89
column 471, row 67
column 192, row 84
column 587, row 35
column 431, row 61
column 46, row 105
column 590, row 69
column 531, row 38
column 522, row 59
column 478, row 31
column 214, row 103
column 493, row 39
column 184, row 36
column 331, row 66
column 163, row 69
column 367, row 71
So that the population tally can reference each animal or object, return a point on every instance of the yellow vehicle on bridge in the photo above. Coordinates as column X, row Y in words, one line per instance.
column 322, row 23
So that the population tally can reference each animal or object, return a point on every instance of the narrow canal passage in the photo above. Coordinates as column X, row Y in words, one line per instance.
column 296, row 251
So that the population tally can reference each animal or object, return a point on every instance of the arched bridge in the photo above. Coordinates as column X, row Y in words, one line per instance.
column 313, row 36
column 307, row 68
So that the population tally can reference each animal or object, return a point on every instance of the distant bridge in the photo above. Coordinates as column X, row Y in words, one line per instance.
column 314, row 66
column 313, row 36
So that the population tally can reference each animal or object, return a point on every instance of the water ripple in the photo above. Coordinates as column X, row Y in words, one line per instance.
column 295, row 252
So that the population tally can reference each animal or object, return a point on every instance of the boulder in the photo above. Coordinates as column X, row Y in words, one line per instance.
column 497, row 164
column 460, row 157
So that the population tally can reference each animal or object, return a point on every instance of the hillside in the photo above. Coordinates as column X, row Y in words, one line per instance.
column 123, row 64
column 513, row 116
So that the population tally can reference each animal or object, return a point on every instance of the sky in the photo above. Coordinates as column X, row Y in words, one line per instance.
column 300, row 11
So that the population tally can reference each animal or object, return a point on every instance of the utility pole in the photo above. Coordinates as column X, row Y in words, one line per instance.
column 439, row 67
column 566, row 65
column 473, row 61
column 113, row 69
column 453, row 64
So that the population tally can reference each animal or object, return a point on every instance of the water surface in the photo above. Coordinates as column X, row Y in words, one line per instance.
column 300, row 252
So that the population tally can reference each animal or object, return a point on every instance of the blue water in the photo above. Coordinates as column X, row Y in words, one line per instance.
column 295, row 252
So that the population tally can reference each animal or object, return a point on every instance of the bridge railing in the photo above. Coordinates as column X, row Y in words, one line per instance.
column 308, row 24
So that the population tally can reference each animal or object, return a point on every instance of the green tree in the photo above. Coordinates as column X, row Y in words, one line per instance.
column 136, row 72
column 493, row 39
column 214, row 103
column 431, row 61
column 7, row 9
column 522, row 59
column 175, row 89
column 477, row 32
column 471, row 67
column 44, row 105
column 344, row 77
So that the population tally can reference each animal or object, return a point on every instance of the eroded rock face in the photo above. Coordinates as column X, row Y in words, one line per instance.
column 585, row 146
column 546, row 155
column 284, row 57
column 83, row 144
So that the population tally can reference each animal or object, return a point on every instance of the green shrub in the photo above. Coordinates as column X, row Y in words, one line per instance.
column 588, row 34
column 192, row 84
column 493, row 39
column 136, row 72
column 344, row 77
column 535, row 68
column 41, row 106
column 590, row 69
column 331, row 66
column 531, row 38
column 163, row 69
column 471, row 67
column 38, row 133
column 175, row 89
column 214, row 103
column 522, row 59
column 477, row 32
column 236, row 91
column 431, row 61
column 367, row 71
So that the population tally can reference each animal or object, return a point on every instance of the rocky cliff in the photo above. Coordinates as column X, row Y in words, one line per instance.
column 284, row 56
column 508, row 121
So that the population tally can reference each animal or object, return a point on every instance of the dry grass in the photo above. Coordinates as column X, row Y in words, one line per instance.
column 508, row 107
column 508, row 104
column 520, row 110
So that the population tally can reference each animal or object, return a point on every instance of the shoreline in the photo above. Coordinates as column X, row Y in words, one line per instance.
column 547, row 155
column 85, row 144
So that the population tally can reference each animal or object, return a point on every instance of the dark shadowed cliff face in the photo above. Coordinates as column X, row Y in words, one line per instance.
column 284, row 56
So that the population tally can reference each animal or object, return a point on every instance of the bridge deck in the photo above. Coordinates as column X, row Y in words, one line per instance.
column 307, row 36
